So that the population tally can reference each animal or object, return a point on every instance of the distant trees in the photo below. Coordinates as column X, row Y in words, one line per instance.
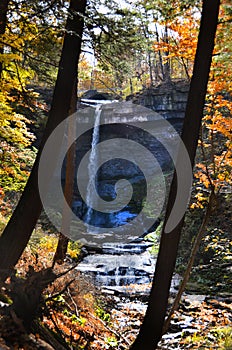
column 180, row 44
column 134, row 44
column 117, row 42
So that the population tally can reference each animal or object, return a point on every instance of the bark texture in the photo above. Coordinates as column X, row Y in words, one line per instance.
column 4, row 4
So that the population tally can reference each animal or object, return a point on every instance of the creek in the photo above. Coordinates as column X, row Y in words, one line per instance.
column 123, row 268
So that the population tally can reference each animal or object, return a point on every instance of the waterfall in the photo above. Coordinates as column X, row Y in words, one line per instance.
column 117, row 276
column 93, row 164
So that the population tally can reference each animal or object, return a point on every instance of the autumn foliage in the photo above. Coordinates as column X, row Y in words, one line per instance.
column 178, row 47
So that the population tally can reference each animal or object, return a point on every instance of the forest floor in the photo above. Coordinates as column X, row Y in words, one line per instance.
column 74, row 314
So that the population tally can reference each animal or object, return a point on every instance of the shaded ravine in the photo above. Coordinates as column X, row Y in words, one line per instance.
column 123, row 269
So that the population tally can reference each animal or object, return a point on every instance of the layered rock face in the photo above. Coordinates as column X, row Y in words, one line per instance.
column 168, row 99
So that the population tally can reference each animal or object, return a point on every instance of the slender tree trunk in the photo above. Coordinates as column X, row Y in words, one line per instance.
column 92, row 79
column 209, row 210
column 131, row 86
column 160, row 56
column 150, row 68
column 156, row 68
column 166, row 66
column 151, row 329
column 19, row 229
column 148, row 45
column 4, row 4
column 62, row 246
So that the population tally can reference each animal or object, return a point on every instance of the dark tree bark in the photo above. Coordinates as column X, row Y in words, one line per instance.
column 62, row 245
column 160, row 68
column 151, row 329
column 166, row 65
column 149, row 48
column 18, row 231
column 209, row 210
column 4, row 4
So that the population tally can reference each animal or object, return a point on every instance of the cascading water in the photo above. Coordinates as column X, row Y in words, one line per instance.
column 120, row 264
column 92, row 167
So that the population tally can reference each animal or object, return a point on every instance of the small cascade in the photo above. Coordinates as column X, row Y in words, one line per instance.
column 127, row 269
column 120, row 265
column 92, row 167
column 122, row 268
column 117, row 276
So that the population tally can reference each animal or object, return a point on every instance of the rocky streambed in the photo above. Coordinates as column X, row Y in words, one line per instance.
column 124, row 274
column 123, row 269
column 202, row 322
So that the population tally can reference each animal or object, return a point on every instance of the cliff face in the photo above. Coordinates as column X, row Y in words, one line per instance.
column 168, row 99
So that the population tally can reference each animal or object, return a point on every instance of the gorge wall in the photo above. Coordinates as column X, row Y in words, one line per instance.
column 168, row 99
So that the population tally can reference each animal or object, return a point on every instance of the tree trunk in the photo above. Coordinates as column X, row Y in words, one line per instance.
column 151, row 329
column 62, row 246
column 150, row 68
column 160, row 57
column 209, row 210
column 148, row 47
column 131, row 86
column 166, row 66
column 3, row 20
column 18, row 231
